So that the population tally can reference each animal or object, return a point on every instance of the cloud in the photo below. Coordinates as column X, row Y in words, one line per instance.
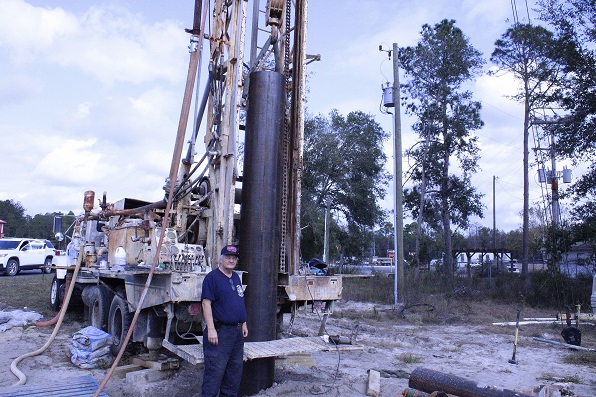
column 111, row 44
column 70, row 162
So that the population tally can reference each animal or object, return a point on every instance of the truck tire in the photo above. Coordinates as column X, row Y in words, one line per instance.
column 57, row 292
column 100, row 299
column 47, row 269
column 12, row 267
column 119, row 321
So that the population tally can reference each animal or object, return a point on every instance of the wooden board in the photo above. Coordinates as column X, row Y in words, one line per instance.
column 283, row 347
column 252, row 350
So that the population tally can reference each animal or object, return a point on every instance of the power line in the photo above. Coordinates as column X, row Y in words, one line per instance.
column 514, row 11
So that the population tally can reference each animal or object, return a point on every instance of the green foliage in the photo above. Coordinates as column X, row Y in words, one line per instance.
column 547, row 288
column 447, row 154
column 343, row 168
column 378, row 289
column 529, row 52
column 40, row 226
column 574, row 23
column 539, row 289
column 13, row 213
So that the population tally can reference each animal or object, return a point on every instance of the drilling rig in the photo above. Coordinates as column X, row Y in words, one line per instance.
column 138, row 265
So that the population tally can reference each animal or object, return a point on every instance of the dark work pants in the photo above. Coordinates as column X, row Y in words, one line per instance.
column 223, row 362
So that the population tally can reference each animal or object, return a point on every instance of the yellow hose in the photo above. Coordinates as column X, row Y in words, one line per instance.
column 13, row 366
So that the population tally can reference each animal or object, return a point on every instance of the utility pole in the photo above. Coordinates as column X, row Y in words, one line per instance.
column 326, row 239
column 391, row 99
column 554, row 185
column 399, row 219
column 552, row 177
column 495, row 257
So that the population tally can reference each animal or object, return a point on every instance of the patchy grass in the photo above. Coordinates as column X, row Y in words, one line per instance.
column 581, row 358
column 378, row 289
column 27, row 292
column 540, row 289
column 409, row 358
column 564, row 379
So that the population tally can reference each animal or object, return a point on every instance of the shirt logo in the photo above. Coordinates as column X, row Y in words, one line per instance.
column 240, row 291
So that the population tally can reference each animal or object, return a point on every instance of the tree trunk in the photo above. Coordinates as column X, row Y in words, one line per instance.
column 422, row 199
column 526, row 210
column 445, row 216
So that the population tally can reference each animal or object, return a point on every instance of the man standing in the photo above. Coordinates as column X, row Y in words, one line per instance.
column 225, row 316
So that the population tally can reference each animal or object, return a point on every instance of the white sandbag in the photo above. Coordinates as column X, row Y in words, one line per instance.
column 91, row 338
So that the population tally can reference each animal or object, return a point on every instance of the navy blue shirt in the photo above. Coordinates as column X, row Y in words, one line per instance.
column 226, row 296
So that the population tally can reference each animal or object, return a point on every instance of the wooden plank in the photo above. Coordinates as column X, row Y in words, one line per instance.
column 373, row 388
column 121, row 371
column 83, row 386
column 252, row 350
column 282, row 347
column 191, row 353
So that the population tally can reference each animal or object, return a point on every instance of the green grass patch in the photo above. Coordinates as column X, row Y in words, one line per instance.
column 29, row 293
column 564, row 379
column 581, row 358
column 378, row 289
column 409, row 358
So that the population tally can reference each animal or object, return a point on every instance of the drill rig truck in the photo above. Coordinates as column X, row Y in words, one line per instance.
column 150, row 257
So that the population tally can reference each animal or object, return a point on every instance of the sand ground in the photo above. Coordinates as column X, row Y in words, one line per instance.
column 461, row 342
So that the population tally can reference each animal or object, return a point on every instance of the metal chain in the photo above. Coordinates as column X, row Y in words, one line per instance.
column 286, row 153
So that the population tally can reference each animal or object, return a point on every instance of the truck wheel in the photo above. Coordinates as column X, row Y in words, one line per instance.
column 57, row 293
column 12, row 267
column 119, row 321
column 99, row 307
column 46, row 269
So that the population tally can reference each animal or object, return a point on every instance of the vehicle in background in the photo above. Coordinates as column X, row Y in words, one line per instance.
column 512, row 267
column 18, row 254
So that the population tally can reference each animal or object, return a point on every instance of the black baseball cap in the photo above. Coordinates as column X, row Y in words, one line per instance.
column 230, row 250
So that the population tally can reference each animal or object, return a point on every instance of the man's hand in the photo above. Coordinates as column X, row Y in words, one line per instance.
column 244, row 330
column 212, row 333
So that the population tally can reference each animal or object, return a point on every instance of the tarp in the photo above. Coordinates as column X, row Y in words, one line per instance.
column 17, row 318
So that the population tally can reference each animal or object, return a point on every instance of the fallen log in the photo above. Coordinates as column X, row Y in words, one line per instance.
column 428, row 381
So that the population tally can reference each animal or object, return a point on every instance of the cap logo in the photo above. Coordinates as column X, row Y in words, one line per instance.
column 230, row 250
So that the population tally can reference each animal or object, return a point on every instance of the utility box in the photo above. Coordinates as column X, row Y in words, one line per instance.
column 566, row 175
column 388, row 96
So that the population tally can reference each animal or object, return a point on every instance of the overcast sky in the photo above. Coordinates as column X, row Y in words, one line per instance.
column 91, row 92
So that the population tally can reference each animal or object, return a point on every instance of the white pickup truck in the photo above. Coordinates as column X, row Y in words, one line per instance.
column 18, row 254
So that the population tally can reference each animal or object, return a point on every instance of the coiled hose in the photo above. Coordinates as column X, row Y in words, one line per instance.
column 13, row 366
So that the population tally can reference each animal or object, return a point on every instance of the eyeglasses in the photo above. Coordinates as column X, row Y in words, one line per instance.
column 232, row 284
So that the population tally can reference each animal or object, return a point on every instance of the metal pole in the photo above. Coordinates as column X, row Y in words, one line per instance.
column 554, row 184
column 326, row 238
column 397, row 154
column 495, row 224
column 255, row 33
column 260, row 224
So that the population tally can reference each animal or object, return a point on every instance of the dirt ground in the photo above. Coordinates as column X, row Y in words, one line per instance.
column 458, row 339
